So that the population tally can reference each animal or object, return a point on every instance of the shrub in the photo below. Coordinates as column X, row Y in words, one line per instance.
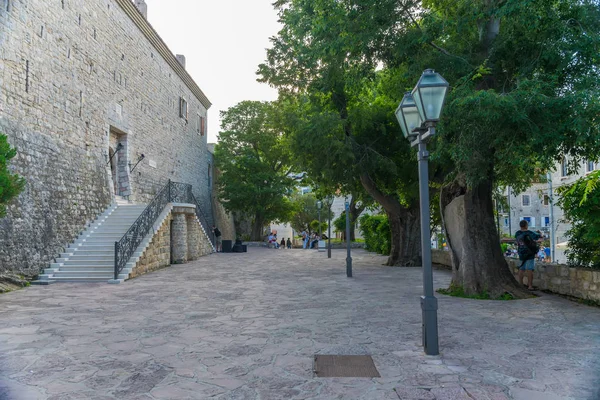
column 10, row 184
column 376, row 231
column 581, row 204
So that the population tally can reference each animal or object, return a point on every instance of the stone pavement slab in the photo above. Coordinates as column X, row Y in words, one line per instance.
column 246, row 326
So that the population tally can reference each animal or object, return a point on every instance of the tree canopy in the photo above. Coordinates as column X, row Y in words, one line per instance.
column 255, row 164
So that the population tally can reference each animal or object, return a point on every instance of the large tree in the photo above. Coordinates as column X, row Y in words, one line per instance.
column 346, row 130
column 254, row 164
column 525, row 93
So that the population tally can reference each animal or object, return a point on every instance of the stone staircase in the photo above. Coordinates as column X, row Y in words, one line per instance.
column 91, row 257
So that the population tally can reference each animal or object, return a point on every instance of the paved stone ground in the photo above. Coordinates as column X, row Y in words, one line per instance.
column 246, row 326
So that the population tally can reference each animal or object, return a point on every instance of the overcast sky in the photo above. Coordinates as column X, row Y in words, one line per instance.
column 223, row 42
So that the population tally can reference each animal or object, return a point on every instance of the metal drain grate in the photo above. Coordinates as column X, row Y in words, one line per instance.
column 331, row 366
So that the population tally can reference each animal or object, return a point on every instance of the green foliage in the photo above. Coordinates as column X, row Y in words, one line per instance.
column 581, row 204
column 254, row 162
column 314, row 226
column 10, row 184
column 458, row 291
column 504, row 247
column 340, row 223
column 376, row 231
column 305, row 212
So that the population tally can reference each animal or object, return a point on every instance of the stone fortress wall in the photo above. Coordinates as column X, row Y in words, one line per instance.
column 78, row 77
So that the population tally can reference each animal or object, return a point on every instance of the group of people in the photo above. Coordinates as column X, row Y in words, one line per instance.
column 311, row 241
column 279, row 245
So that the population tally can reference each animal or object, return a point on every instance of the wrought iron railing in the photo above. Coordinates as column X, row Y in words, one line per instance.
column 172, row 192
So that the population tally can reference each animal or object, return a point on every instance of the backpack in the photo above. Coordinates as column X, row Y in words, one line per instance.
column 532, row 246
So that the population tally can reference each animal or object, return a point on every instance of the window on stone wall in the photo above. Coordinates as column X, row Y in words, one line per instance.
column 546, row 199
column 563, row 168
column 202, row 126
column 198, row 123
column 183, row 108
column 525, row 200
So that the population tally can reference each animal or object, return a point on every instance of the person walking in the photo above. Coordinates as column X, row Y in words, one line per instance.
column 289, row 243
column 218, row 241
column 528, row 249
column 283, row 243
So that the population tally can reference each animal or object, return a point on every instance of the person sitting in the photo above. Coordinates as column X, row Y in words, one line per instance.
column 315, row 242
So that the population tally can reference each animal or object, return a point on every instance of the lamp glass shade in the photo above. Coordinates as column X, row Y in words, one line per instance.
column 408, row 115
column 319, row 204
column 429, row 95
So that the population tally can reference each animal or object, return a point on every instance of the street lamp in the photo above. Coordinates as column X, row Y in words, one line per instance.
column 329, row 201
column 348, row 254
column 418, row 114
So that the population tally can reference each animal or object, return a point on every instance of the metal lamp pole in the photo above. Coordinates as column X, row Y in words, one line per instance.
column 418, row 114
column 319, row 206
column 348, row 255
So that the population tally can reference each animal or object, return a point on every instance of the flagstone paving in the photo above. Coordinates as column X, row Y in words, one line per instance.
column 246, row 326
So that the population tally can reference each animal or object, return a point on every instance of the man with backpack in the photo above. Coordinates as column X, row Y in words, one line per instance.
column 528, row 249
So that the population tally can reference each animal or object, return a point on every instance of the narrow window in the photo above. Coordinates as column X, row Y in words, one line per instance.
column 27, row 76
column 7, row 3
column 198, row 123
column 505, row 221
column 590, row 166
column 546, row 199
column 525, row 200
column 79, row 19
column 63, row 4
column 209, row 176
column 94, row 33
column 202, row 126
column 183, row 108
column 546, row 221
column 563, row 167
column 42, row 31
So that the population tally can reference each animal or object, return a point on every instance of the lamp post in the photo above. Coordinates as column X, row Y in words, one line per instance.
column 329, row 202
column 418, row 114
column 348, row 254
column 319, row 206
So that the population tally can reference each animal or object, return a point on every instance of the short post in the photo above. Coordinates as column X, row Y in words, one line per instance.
column 116, row 260
column 329, row 234
column 349, row 255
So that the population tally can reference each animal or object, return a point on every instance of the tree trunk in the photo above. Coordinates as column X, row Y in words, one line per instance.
column 404, row 226
column 406, row 238
column 355, row 212
column 477, row 262
column 257, row 228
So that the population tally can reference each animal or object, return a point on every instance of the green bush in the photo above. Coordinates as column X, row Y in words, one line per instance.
column 581, row 204
column 10, row 184
column 376, row 231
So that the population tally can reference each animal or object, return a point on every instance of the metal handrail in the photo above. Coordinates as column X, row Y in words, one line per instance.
column 172, row 192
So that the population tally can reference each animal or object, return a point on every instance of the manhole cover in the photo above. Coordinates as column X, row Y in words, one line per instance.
column 330, row 366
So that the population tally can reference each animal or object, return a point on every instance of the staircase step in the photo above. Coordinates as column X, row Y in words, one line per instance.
column 90, row 263
column 96, row 279
column 82, row 274
column 76, row 268
column 87, row 257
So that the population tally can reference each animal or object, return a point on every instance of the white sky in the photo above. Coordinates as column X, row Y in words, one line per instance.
column 223, row 42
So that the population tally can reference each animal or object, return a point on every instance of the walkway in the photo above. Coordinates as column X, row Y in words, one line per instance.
column 246, row 326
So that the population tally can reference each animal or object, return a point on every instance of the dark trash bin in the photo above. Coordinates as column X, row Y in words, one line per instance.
column 227, row 246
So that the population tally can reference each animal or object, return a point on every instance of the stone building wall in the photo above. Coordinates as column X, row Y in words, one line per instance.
column 77, row 78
